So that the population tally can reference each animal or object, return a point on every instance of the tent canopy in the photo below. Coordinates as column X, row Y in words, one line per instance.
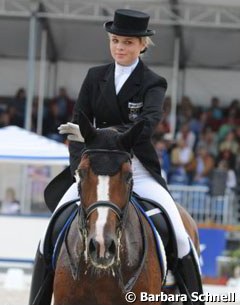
column 209, row 31
column 18, row 145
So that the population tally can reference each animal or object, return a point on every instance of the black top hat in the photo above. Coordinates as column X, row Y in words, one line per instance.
column 129, row 23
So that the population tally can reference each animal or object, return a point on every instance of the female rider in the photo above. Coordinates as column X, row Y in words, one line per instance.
column 120, row 94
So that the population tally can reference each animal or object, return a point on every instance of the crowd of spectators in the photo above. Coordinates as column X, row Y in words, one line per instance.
column 57, row 110
column 207, row 142
column 207, row 138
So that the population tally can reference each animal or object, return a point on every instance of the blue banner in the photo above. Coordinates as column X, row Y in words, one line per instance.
column 212, row 244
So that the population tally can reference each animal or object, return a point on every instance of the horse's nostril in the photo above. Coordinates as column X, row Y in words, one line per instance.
column 92, row 245
column 112, row 247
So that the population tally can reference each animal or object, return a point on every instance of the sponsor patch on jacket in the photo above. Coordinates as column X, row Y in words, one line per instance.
column 134, row 109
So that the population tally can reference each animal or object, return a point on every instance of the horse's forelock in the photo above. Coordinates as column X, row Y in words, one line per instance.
column 105, row 163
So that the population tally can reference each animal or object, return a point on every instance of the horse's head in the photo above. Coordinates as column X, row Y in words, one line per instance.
column 105, row 184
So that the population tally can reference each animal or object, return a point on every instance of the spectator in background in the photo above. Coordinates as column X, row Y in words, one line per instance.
column 187, row 135
column 185, row 111
column 229, row 124
column 228, row 156
column 215, row 111
column 215, row 114
column 231, row 181
column 183, row 163
column 17, row 108
column 208, row 138
column 51, row 123
column 204, row 166
column 59, row 112
column 64, row 105
column 198, row 123
column 234, row 108
column 10, row 205
column 229, row 143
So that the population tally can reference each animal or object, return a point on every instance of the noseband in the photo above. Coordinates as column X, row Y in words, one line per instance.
column 117, row 211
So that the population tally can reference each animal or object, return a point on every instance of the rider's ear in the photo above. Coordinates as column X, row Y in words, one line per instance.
column 130, row 137
column 87, row 130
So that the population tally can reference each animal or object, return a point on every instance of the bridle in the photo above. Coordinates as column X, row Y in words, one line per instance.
column 120, row 213
column 85, row 213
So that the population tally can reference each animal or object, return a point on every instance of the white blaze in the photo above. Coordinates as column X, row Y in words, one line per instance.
column 102, row 213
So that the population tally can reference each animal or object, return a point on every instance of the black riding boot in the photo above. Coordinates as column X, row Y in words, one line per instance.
column 42, row 282
column 43, row 274
column 189, row 278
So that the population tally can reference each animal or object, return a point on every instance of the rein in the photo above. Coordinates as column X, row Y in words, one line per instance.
column 131, row 282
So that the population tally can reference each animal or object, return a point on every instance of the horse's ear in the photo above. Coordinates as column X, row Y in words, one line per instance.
column 130, row 137
column 86, row 128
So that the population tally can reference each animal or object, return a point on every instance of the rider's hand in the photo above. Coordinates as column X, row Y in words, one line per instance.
column 72, row 130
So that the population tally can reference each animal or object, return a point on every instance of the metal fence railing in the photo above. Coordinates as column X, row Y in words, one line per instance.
column 204, row 207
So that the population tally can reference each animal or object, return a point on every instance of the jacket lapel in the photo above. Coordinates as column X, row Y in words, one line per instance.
column 132, row 84
column 107, row 88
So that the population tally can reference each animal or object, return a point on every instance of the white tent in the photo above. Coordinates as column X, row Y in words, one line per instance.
column 18, row 145
column 20, row 149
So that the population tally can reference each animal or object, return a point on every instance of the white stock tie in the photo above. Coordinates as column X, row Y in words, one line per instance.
column 120, row 80
column 121, row 74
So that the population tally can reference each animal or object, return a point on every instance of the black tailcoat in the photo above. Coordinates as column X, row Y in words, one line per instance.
column 141, row 97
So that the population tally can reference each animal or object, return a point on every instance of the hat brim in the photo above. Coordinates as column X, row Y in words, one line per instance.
column 121, row 32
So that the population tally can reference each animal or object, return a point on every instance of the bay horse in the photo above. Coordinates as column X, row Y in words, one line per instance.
column 109, row 248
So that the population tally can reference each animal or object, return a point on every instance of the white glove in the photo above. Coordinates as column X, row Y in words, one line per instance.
column 72, row 130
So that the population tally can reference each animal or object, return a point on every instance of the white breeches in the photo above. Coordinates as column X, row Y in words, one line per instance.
column 146, row 186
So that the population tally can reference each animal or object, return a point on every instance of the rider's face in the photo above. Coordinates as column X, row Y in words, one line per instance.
column 125, row 50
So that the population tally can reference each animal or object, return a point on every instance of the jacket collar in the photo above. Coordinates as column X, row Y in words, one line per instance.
column 108, row 91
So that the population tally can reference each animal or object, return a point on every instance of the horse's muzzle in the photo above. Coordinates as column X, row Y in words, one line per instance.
column 102, row 254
